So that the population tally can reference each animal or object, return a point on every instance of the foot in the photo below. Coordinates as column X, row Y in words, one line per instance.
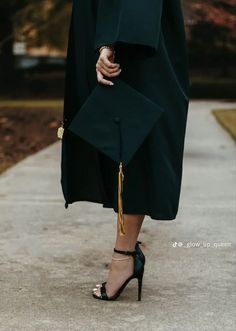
column 119, row 271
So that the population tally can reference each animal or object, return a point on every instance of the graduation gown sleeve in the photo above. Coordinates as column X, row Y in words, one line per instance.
column 129, row 22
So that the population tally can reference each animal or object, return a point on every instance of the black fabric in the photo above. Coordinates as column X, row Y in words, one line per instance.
column 154, row 64
column 129, row 23
column 116, row 120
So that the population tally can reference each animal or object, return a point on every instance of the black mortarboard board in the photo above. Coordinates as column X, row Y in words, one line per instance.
column 116, row 120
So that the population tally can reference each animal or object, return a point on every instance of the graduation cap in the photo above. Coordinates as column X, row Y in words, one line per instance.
column 116, row 119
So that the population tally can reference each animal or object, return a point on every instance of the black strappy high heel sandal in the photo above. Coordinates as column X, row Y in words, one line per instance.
column 140, row 252
column 138, row 273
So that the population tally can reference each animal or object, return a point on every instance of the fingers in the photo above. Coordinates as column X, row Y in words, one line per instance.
column 101, row 66
column 103, row 80
column 107, row 63
column 105, row 67
column 105, row 72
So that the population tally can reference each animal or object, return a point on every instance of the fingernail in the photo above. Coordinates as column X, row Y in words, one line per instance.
column 111, row 83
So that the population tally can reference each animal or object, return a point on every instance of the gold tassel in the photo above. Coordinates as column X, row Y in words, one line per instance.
column 120, row 202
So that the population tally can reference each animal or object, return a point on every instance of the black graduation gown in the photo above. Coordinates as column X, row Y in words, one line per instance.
column 150, row 45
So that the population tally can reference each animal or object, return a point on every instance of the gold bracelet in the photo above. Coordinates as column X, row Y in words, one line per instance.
column 108, row 47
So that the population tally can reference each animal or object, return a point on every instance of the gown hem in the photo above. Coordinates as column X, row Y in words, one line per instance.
column 125, row 211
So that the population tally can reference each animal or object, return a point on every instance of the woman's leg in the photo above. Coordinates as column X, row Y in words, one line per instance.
column 133, row 225
column 119, row 271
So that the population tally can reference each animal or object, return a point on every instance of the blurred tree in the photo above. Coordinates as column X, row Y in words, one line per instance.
column 39, row 22
column 211, row 26
column 212, row 33
column 44, row 23
column 7, row 9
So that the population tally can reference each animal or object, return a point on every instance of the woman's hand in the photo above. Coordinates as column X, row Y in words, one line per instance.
column 106, row 67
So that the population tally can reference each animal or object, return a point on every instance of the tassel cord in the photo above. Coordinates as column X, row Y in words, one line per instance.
column 120, row 200
column 120, row 185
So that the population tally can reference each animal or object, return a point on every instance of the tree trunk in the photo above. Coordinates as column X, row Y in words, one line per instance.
column 6, row 48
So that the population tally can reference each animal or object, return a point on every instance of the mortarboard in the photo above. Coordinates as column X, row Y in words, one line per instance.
column 116, row 119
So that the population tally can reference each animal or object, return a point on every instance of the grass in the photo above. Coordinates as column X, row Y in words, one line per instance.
column 57, row 103
column 227, row 118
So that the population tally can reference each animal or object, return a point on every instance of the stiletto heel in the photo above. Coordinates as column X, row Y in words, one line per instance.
column 140, row 284
column 139, row 262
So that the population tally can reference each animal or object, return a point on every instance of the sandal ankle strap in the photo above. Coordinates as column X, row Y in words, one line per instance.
column 133, row 253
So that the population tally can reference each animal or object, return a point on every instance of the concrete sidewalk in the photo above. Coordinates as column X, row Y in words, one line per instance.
column 51, row 258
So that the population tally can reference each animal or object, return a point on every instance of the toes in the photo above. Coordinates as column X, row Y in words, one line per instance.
column 97, row 293
column 96, row 290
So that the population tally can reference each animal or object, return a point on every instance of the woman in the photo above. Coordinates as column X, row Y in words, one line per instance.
column 144, row 45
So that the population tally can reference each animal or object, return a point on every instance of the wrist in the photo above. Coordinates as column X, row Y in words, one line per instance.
column 110, row 47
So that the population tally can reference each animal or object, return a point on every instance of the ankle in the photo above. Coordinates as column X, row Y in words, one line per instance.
column 126, row 248
column 120, row 260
